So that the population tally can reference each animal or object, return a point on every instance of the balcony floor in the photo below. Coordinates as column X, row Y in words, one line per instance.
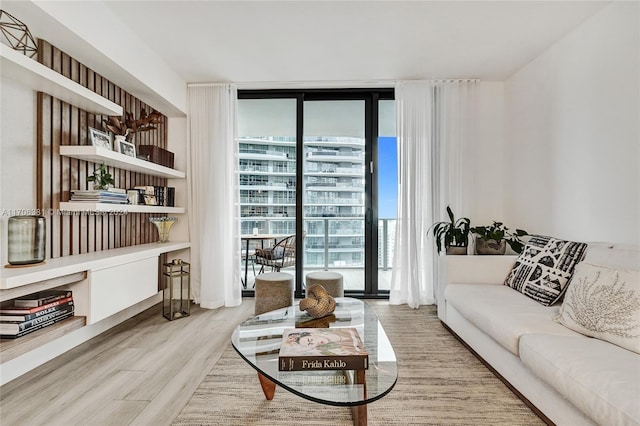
column 353, row 279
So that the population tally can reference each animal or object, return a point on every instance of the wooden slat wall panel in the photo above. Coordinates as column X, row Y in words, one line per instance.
column 63, row 124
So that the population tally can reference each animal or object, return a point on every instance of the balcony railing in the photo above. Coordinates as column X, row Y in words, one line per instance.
column 267, row 169
column 325, row 235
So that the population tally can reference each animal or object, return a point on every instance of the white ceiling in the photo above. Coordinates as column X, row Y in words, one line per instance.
column 312, row 41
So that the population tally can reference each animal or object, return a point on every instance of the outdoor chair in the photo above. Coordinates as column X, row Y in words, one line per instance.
column 281, row 255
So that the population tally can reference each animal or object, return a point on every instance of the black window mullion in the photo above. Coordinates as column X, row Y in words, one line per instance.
column 371, row 98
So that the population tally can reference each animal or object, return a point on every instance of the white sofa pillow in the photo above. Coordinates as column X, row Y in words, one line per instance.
column 604, row 303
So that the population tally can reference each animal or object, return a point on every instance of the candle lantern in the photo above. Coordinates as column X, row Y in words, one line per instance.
column 176, row 294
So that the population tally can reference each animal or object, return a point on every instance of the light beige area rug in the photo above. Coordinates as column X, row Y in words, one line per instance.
column 439, row 382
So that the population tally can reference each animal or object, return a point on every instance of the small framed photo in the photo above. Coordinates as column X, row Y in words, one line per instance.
column 126, row 148
column 100, row 139
column 150, row 200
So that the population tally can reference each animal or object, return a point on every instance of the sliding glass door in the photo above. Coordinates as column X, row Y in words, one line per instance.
column 309, row 166
column 334, row 207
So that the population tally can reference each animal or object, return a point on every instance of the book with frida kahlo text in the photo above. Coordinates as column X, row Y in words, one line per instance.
column 306, row 349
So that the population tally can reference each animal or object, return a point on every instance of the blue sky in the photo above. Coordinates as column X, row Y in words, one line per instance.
column 387, row 177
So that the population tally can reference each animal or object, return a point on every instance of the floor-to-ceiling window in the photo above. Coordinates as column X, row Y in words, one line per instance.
column 309, row 165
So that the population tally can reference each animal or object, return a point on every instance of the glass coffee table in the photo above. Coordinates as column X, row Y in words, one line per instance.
column 258, row 340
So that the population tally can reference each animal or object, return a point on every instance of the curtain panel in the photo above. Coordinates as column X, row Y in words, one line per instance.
column 213, row 186
column 434, row 121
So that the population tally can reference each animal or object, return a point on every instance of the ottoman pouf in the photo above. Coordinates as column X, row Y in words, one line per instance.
column 273, row 290
column 331, row 281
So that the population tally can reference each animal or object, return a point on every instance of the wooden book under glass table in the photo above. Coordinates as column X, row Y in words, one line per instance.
column 258, row 341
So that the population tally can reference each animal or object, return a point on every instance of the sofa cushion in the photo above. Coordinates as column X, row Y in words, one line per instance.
column 601, row 379
column 502, row 313
column 604, row 303
column 544, row 267
column 615, row 256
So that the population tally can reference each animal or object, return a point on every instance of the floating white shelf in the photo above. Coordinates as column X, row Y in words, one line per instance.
column 16, row 66
column 121, row 161
column 61, row 266
column 83, row 206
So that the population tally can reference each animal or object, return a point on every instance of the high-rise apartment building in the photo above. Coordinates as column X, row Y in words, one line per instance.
column 333, row 194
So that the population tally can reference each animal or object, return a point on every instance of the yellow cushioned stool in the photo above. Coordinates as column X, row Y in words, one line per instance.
column 331, row 281
column 274, row 290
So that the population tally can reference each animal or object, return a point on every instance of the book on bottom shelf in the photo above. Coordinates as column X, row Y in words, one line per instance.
column 37, row 324
column 40, row 298
column 26, row 314
column 307, row 349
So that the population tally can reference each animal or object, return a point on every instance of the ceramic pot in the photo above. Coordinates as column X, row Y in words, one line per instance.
column 454, row 250
column 490, row 247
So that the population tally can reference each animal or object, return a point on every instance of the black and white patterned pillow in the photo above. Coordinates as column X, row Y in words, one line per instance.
column 544, row 267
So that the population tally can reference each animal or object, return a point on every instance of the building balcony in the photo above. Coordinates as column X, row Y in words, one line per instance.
column 264, row 154
column 272, row 140
column 334, row 171
column 334, row 156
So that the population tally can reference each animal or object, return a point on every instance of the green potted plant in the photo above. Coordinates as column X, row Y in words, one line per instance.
column 101, row 178
column 493, row 239
column 452, row 236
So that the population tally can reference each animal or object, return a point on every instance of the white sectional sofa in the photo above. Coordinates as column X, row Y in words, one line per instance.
column 566, row 377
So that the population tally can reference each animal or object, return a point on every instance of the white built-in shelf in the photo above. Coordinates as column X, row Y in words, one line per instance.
column 12, row 348
column 11, row 278
column 83, row 206
column 121, row 161
column 28, row 71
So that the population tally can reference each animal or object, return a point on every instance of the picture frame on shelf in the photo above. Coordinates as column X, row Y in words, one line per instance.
column 126, row 148
column 150, row 200
column 100, row 139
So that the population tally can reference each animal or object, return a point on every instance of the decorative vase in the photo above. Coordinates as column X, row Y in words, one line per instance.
column 118, row 139
column 26, row 240
column 490, row 247
column 456, row 250
column 163, row 224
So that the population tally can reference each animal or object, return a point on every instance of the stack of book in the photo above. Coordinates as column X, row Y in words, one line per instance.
column 306, row 349
column 111, row 195
column 34, row 312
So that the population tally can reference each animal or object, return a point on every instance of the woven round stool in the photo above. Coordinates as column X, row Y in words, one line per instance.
column 274, row 290
column 331, row 281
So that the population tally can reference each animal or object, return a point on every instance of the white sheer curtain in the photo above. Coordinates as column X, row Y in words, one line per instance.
column 213, row 195
column 434, row 121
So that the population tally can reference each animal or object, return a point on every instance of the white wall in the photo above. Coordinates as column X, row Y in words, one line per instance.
column 572, row 133
column 177, row 143
column 17, row 155
column 485, row 159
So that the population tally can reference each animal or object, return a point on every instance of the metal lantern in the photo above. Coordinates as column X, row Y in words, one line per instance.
column 176, row 294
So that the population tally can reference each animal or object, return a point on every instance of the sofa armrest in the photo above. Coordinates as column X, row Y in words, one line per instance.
column 470, row 270
column 477, row 269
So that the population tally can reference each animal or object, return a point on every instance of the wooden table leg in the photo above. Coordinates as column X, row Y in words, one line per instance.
column 268, row 387
column 359, row 415
column 359, row 412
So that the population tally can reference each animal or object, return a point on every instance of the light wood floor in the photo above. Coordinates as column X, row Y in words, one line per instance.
column 141, row 372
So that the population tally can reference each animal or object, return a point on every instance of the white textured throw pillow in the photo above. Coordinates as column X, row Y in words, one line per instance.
column 604, row 303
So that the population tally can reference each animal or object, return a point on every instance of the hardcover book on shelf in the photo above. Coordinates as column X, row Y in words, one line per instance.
column 14, row 328
column 40, row 298
column 55, row 306
column 37, row 327
column 12, row 310
column 111, row 195
column 307, row 349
